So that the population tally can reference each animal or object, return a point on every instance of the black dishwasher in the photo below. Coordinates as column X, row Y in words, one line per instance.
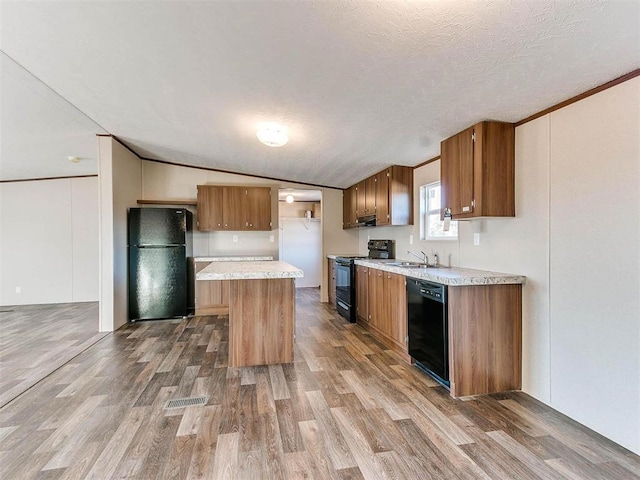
column 428, row 327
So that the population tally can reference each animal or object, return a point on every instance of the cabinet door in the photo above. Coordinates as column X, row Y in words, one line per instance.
column 456, row 167
column 396, row 286
column 382, row 198
column 370, row 196
column 362, row 293
column 361, row 198
column 211, row 296
column 209, row 203
column 258, row 208
column 349, row 207
column 233, row 211
column 332, row 282
column 377, row 300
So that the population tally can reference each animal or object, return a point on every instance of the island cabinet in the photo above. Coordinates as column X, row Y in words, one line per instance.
column 388, row 195
column 233, row 208
column 332, row 282
column 477, row 171
column 211, row 296
column 387, row 308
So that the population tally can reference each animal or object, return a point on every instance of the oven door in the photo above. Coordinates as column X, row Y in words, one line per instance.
column 343, row 282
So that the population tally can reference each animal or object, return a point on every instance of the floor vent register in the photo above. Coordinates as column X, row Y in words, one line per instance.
column 186, row 402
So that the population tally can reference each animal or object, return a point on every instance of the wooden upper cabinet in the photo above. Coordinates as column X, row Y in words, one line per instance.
column 361, row 198
column 258, row 208
column 387, row 194
column 209, row 214
column 233, row 208
column 370, row 195
column 383, row 214
column 401, row 195
column 233, row 201
column 349, row 207
column 477, row 171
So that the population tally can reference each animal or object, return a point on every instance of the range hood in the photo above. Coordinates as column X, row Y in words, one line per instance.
column 367, row 221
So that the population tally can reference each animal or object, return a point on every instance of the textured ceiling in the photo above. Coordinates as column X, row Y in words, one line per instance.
column 361, row 85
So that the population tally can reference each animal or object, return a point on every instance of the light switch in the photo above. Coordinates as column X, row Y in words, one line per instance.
column 235, row 239
column 272, row 239
column 476, row 239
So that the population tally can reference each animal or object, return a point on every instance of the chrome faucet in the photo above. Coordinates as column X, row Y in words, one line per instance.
column 424, row 257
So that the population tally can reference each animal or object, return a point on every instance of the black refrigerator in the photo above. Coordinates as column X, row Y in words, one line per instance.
column 160, row 263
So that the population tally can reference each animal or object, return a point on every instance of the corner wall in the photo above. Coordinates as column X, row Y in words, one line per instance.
column 120, row 174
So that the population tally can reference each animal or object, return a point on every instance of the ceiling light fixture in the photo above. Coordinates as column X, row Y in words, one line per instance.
column 272, row 135
column 289, row 198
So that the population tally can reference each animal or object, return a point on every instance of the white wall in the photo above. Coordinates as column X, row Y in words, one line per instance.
column 576, row 236
column 595, row 262
column 49, row 241
column 120, row 174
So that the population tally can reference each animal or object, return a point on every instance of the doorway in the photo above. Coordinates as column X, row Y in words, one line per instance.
column 300, row 224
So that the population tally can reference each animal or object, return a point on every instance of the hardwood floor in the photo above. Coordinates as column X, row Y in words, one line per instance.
column 346, row 408
column 35, row 340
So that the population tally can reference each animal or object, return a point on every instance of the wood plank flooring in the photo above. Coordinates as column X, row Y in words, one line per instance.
column 36, row 340
column 346, row 408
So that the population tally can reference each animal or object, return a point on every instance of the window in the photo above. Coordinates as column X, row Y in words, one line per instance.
column 431, row 227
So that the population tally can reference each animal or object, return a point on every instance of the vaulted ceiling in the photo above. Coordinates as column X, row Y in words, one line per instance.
column 359, row 84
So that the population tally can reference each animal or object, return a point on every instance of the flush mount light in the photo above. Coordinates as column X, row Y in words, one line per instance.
column 289, row 198
column 272, row 135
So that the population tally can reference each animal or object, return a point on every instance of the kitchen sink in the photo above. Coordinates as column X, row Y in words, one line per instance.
column 412, row 265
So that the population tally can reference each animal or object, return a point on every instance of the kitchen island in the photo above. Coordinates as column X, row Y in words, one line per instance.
column 261, row 309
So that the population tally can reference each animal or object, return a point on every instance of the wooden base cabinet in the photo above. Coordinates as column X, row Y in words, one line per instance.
column 387, row 308
column 362, row 294
column 261, row 321
column 485, row 339
column 331, row 273
column 211, row 296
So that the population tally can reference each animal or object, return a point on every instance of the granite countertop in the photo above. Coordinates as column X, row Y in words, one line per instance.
column 452, row 276
column 234, row 258
column 333, row 256
column 256, row 269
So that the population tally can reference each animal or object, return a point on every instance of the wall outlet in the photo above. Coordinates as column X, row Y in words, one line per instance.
column 272, row 239
column 18, row 289
column 410, row 239
column 476, row 239
column 234, row 239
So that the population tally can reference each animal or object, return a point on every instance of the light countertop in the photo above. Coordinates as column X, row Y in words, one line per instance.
column 452, row 276
column 242, row 270
column 333, row 257
column 234, row 258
